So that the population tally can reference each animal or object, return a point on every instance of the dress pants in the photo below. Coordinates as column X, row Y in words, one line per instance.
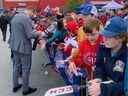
column 21, row 62
column 4, row 30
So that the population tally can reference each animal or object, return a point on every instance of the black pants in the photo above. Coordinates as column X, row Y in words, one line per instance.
column 4, row 30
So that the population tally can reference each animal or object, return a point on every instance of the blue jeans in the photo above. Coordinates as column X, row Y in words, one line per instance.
column 51, row 49
column 64, row 75
column 77, row 80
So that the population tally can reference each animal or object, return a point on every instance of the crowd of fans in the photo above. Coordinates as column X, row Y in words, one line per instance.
column 84, row 48
column 79, row 49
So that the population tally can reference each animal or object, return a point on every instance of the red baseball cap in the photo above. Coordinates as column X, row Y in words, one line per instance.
column 72, row 26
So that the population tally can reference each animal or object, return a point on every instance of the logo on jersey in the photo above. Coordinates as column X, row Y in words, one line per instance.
column 89, row 58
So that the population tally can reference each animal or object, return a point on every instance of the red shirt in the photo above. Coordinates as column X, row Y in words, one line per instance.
column 87, row 53
column 40, row 28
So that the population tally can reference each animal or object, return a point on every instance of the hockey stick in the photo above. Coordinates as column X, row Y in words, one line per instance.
column 68, row 89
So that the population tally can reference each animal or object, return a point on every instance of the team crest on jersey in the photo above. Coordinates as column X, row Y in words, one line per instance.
column 119, row 66
column 89, row 58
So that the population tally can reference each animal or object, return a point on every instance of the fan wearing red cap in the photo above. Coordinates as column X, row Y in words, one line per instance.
column 72, row 27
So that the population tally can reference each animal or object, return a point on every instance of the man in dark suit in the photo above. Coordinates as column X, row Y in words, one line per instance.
column 21, row 46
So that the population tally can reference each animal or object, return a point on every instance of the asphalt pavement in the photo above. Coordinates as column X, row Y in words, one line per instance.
column 37, row 78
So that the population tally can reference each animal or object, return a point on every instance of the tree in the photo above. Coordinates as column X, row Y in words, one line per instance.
column 72, row 4
column 126, row 1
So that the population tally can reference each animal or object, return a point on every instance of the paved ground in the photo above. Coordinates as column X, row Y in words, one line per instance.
column 37, row 78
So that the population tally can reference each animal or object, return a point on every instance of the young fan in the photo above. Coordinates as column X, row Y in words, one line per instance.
column 86, row 58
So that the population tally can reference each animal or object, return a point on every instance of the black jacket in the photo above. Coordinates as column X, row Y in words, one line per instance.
column 105, row 64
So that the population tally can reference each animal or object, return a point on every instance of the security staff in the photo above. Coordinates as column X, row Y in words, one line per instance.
column 111, row 60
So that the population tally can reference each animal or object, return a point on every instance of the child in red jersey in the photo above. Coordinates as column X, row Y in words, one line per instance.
column 88, row 48
column 87, row 51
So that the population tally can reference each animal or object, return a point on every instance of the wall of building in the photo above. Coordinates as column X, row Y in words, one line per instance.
column 52, row 3
column 40, row 3
column 9, row 4
column 1, row 3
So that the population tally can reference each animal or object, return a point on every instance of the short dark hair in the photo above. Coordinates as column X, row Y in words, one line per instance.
column 123, row 36
column 91, row 24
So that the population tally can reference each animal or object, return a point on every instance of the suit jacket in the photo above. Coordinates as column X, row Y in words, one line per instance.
column 22, row 33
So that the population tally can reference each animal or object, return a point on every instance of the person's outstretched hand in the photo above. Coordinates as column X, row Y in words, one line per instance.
column 94, row 87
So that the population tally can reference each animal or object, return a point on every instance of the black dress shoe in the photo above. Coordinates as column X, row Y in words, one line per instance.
column 15, row 89
column 30, row 91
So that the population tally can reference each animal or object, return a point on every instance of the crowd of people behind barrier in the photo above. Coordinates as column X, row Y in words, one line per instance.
column 74, row 43
column 86, row 48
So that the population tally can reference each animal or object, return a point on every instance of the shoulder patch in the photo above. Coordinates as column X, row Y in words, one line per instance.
column 119, row 66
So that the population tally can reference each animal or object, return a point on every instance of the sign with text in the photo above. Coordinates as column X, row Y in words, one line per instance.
column 59, row 91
